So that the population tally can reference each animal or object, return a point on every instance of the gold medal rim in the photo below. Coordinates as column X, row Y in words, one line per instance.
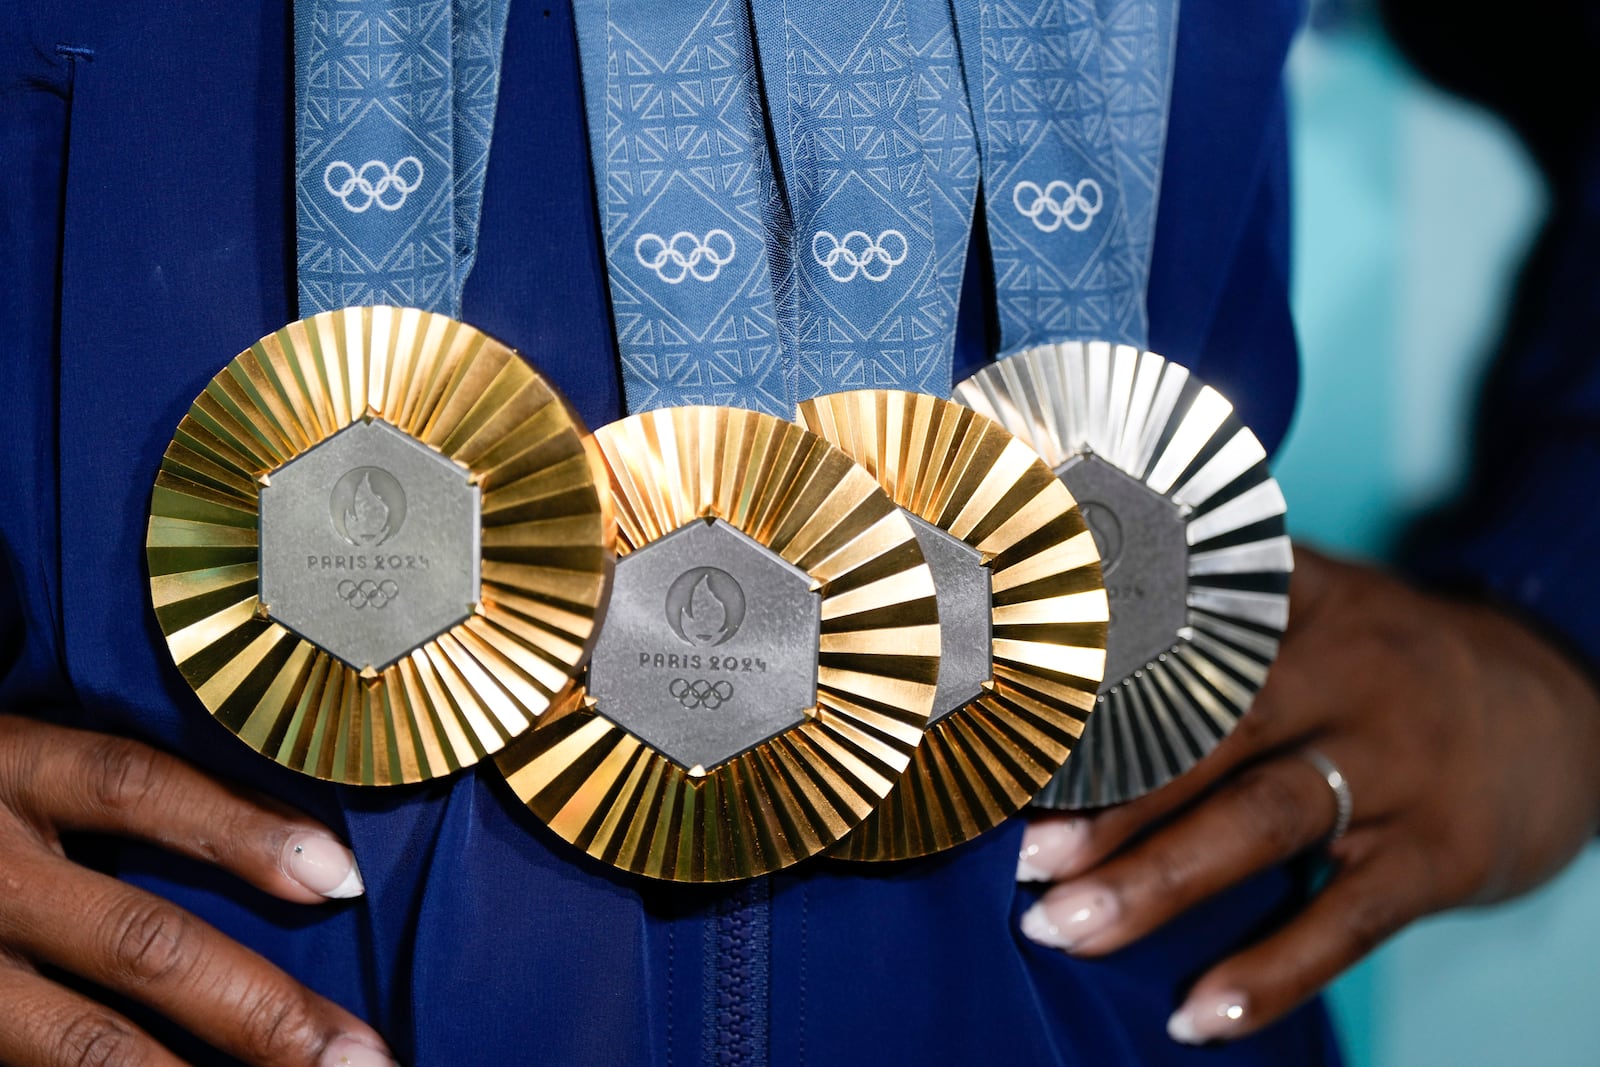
column 458, row 697
column 968, row 476
column 1123, row 405
column 792, row 796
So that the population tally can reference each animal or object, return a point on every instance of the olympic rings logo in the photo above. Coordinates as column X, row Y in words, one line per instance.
column 857, row 253
column 684, row 255
column 373, row 183
column 1059, row 203
column 701, row 693
column 367, row 593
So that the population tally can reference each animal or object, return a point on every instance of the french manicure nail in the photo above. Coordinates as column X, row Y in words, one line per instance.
column 1207, row 1018
column 1070, row 919
column 1050, row 848
column 322, row 865
column 349, row 1052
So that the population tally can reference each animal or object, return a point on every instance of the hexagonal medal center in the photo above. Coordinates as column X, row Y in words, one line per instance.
column 369, row 544
column 964, row 594
column 1144, row 556
column 709, row 645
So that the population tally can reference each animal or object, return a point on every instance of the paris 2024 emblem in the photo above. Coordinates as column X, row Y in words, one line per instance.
column 369, row 544
column 709, row 645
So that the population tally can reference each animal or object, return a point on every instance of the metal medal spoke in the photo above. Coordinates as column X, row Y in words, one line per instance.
column 378, row 545
column 769, row 660
column 1198, row 559
column 1022, row 609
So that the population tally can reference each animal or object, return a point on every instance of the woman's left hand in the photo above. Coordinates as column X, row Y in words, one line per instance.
column 1471, row 748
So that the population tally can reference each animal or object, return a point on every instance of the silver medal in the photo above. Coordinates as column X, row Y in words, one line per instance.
column 1190, row 528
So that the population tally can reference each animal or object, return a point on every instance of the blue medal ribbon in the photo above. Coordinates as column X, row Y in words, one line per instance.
column 688, row 202
column 1070, row 101
column 758, row 274
column 394, row 108
column 951, row 151
column 850, row 109
column 689, row 210
column 1140, row 40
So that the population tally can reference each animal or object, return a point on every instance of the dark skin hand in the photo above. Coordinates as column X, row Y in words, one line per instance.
column 1472, row 751
column 56, row 914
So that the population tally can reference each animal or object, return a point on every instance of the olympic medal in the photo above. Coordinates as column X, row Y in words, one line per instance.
column 1022, row 612
column 1190, row 528
column 768, row 663
column 379, row 544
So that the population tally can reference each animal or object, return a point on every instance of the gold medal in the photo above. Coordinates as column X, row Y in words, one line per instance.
column 768, row 662
column 1190, row 526
column 378, row 545
column 1022, row 610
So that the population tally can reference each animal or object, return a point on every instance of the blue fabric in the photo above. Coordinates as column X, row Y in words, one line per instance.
column 147, row 235
column 394, row 106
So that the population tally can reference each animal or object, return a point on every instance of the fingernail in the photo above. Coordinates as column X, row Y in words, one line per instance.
column 1070, row 919
column 1051, row 848
column 350, row 1052
column 1208, row 1018
column 323, row 866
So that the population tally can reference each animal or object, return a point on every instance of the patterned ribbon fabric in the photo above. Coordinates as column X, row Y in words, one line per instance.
column 757, row 271
column 849, row 108
column 1070, row 101
column 688, row 202
column 1139, row 40
column 394, row 107
column 951, row 150
column 757, row 274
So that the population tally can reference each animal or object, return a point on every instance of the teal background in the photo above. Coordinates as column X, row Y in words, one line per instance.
column 1413, row 211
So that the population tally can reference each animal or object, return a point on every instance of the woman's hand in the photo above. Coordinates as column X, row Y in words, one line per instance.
column 1472, row 752
column 56, row 914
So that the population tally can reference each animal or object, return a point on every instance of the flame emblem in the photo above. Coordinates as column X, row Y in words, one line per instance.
column 704, row 620
column 367, row 506
column 705, row 606
column 367, row 518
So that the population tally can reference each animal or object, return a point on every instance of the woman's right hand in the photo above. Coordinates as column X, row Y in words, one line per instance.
column 56, row 915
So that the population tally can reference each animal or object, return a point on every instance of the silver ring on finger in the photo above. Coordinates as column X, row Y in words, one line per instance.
column 1343, row 799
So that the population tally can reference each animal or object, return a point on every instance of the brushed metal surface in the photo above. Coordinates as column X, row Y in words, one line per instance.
column 369, row 544
column 592, row 770
column 709, row 645
column 1144, row 556
column 966, row 624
